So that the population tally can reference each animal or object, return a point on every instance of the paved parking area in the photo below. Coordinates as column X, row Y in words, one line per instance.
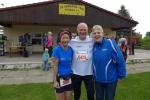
column 39, row 76
column 25, row 76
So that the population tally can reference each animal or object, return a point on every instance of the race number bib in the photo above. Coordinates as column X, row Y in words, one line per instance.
column 82, row 55
column 64, row 82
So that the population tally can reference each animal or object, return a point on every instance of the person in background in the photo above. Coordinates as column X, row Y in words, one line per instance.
column 45, row 58
column 62, row 59
column 28, row 43
column 74, row 35
column 23, row 43
column 133, row 44
column 45, row 39
column 123, row 48
column 82, row 62
column 108, row 65
column 49, row 44
column 22, row 40
column 122, row 39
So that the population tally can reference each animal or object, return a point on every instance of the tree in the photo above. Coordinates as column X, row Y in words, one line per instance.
column 124, row 12
column 2, row 5
column 147, row 34
column 146, row 43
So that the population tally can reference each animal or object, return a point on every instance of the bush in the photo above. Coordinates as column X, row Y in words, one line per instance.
column 146, row 43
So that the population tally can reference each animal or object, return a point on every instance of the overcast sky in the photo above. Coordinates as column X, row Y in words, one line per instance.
column 138, row 9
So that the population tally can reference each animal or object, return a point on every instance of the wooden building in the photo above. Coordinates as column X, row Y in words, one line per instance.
column 39, row 18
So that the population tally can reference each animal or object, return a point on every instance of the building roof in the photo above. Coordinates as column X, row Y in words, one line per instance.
column 47, row 13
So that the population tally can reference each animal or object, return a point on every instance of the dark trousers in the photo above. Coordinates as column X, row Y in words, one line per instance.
column 89, row 85
column 50, row 50
column 132, row 49
column 105, row 91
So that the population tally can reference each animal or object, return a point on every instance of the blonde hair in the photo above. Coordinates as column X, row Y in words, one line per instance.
column 97, row 28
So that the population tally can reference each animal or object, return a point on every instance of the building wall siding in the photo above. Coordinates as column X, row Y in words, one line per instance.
column 15, row 31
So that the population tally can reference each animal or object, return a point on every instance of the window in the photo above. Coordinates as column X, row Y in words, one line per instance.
column 37, row 38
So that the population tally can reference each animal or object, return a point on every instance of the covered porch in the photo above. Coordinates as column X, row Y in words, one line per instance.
column 39, row 18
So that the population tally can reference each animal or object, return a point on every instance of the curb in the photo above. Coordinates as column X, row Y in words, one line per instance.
column 21, row 66
column 38, row 65
column 137, row 60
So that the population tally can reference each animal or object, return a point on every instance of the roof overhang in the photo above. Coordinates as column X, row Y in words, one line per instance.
column 47, row 13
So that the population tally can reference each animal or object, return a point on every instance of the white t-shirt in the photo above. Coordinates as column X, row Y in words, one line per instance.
column 122, row 40
column 82, row 57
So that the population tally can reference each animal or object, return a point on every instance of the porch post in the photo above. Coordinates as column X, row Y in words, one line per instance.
column 130, row 41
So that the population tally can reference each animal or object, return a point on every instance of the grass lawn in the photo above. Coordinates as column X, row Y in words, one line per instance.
column 135, row 87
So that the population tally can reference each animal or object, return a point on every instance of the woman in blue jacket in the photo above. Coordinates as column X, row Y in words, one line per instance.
column 108, row 65
column 62, row 57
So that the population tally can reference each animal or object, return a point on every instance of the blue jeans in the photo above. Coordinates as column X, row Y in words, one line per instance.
column 105, row 91
column 45, row 66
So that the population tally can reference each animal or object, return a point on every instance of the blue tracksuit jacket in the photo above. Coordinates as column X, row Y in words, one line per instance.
column 108, row 62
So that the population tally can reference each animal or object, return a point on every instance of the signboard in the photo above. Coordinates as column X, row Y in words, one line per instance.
column 71, row 9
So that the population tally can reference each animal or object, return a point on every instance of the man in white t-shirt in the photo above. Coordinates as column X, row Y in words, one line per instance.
column 82, row 62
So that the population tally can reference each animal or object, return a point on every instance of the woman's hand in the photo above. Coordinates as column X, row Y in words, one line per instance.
column 120, row 81
column 56, row 84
